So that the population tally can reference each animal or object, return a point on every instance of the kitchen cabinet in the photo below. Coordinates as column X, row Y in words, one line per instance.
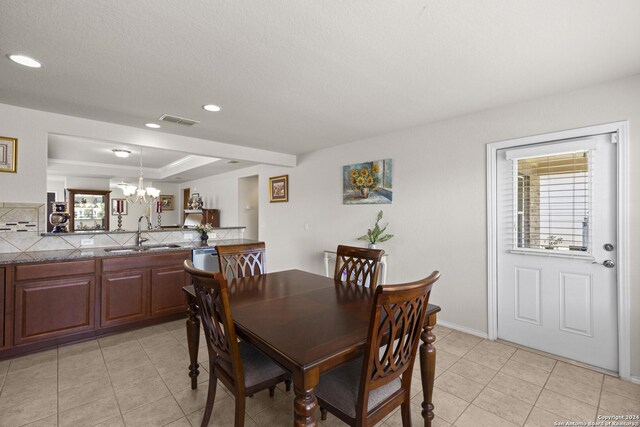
column 167, row 296
column 124, row 297
column 89, row 209
column 46, row 307
column 2, row 305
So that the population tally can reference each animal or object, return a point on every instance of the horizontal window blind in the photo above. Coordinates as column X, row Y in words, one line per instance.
column 552, row 202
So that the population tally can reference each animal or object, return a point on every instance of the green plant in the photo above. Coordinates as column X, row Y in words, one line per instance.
column 375, row 234
column 204, row 228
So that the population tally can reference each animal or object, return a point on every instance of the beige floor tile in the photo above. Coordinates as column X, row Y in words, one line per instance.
column 19, row 393
column 567, row 387
column 179, row 380
column 113, row 422
column 395, row 420
column 525, row 372
column 261, row 401
column 474, row 416
column 80, row 376
column 182, row 422
column 150, row 331
column 457, row 343
column 193, row 400
column 565, row 407
column 578, row 374
column 535, row 360
column 496, row 348
column 541, row 418
column 444, row 360
column 473, row 371
column 4, row 366
column 33, row 360
column 90, row 413
column 51, row 421
column 622, row 388
column 127, row 361
column 441, row 331
column 158, row 342
column 515, row 387
column 118, row 350
column 459, row 386
column 143, row 392
column 133, row 377
column 445, row 405
column 88, row 360
column 176, row 325
column 85, row 393
column 280, row 414
column 69, row 350
column 28, row 412
column 485, row 358
column 619, row 405
column 223, row 416
column 158, row 413
column 116, row 339
column 34, row 373
column 503, row 405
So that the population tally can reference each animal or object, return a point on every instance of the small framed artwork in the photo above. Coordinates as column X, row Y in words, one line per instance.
column 279, row 189
column 8, row 154
column 167, row 202
column 119, row 207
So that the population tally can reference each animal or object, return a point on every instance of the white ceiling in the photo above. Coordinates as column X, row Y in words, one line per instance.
column 78, row 156
column 299, row 75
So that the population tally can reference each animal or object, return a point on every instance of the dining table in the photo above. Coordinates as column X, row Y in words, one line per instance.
column 309, row 324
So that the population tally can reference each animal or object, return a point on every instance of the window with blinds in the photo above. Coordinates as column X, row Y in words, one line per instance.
column 552, row 206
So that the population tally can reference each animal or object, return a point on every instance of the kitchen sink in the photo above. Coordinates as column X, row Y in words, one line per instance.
column 135, row 249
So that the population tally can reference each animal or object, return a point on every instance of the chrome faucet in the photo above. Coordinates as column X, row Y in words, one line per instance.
column 139, row 239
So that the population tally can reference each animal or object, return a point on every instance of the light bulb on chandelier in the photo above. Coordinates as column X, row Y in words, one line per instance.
column 140, row 194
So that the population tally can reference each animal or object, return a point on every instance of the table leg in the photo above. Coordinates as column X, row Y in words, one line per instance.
column 193, row 339
column 427, row 368
column 305, row 404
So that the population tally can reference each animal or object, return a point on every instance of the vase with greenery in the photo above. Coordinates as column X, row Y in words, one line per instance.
column 376, row 234
column 204, row 230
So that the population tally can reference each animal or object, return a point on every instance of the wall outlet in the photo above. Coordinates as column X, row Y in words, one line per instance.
column 213, row 235
column 86, row 242
column 188, row 236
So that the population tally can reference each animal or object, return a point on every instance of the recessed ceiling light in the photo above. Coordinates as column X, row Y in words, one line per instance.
column 121, row 153
column 152, row 125
column 211, row 107
column 25, row 60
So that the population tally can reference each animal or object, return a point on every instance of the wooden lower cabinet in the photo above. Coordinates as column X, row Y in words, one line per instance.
column 3, row 290
column 167, row 296
column 46, row 309
column 124, row 297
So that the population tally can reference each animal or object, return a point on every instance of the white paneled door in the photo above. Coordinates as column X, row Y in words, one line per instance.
column 556, row 208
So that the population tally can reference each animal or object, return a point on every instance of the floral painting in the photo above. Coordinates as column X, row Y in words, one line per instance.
column 367, row 183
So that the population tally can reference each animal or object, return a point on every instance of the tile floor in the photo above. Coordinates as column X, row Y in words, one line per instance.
column 139, row 378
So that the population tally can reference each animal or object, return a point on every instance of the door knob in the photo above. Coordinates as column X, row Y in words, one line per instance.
column 607, row 263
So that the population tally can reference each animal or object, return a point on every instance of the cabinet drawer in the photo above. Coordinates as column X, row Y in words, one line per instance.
column 144, row 261
column 54, row 269
column 50, row 308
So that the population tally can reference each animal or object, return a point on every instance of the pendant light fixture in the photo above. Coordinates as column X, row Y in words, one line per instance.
column 140, row 194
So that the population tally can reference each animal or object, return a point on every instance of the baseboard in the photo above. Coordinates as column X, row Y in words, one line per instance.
column 464, row 329
column 635, row 379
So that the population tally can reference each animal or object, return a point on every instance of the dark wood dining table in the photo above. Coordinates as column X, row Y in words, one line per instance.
column 309, row 324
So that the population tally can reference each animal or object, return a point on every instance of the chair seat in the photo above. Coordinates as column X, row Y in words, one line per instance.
column 340, row 388
column 258, row 367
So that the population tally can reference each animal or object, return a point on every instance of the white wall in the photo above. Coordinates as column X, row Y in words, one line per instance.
column 438, row 213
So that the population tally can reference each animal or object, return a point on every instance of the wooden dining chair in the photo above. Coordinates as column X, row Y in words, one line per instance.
column 242, row 260
column 364, row 390
column 241, row 367
column 358, row 265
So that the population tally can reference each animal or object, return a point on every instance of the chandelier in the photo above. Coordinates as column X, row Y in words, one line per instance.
column 140, row 194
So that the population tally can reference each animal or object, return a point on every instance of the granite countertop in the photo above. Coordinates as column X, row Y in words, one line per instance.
column 89, row 253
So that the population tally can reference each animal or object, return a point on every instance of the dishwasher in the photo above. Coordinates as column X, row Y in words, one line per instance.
column 206, row 259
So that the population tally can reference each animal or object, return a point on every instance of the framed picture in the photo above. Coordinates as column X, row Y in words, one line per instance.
column 8, row 154
column 114, row 204
column 167, row 202
column 368, row 183
column 279, row 189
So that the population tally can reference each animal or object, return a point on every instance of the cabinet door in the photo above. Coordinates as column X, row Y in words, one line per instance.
column 124, row 297
column 46, row 309
column 167, row 295
column 2, row 310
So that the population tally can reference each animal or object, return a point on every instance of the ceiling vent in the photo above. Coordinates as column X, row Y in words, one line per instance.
column 178, row 120
column 233, row 162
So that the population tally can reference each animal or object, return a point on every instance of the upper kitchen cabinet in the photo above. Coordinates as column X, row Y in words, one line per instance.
column 89, row 209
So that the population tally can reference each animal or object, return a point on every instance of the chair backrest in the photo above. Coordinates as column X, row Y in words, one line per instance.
column 242, row 260
column 215, row 314
column 357, row 265
column 397, row 319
